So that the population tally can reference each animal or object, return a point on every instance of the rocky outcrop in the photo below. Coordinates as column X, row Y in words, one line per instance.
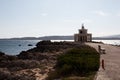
column 48, row 46
column 5, row 57
column 33, row 64
column 31, row 56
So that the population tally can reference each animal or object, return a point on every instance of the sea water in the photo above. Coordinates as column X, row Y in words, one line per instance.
column 14, row 47
column 113, row 42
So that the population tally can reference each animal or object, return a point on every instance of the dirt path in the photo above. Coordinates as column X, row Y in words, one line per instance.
column 111, row 62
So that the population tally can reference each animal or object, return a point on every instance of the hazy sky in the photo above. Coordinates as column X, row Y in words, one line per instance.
column 35, row 18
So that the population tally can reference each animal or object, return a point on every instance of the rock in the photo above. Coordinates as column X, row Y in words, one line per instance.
column 19, row 45
column 35, row 63
column 30, row 45
column 1, row 53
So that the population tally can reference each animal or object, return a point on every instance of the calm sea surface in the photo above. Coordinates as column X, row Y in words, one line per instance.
column 14, row 47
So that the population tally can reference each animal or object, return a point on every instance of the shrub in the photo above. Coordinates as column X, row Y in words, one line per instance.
column 6, row 75
column 48, row 46
column 20, row 64
column 31, row 56
column 78, row 61
column 4, row 57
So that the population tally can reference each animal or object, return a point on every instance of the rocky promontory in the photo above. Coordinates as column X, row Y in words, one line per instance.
column 33, row 64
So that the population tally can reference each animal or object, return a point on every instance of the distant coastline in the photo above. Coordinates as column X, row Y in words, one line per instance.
column 61, row 38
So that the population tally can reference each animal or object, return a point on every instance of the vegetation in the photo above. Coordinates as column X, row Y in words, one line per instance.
column 76, row 62
column 48, row 46
column 25, row 55
column 11, row 76
column 71, row 61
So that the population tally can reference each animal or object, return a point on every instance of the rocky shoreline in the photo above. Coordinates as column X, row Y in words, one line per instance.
column 34, row 64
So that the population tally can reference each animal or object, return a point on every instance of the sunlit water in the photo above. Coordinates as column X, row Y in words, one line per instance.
column 113, row 42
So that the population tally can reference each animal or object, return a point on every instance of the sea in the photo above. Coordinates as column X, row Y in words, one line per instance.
column 14, row 47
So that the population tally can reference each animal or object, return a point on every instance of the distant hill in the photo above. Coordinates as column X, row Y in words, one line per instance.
column 56, row 38
column 71, row 37
column 44, row 38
